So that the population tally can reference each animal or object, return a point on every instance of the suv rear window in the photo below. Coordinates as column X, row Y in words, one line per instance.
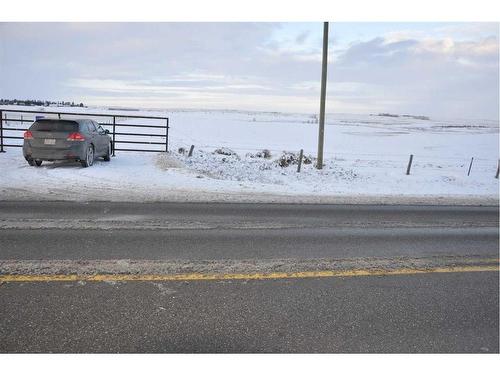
column 55, row 126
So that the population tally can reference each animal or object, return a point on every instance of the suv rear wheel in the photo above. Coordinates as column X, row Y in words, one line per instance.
column 89, row 157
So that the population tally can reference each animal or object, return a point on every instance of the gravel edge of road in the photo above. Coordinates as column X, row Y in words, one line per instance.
column 183, row 196
column 226, row 266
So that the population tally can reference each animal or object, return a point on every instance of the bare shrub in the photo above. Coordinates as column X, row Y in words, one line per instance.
column 287, row 158
column 265, row 154
column 225, row 151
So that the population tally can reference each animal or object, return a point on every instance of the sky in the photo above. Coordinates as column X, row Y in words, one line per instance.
column 442, row 70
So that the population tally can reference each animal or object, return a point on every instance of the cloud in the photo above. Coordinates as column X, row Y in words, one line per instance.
column 444, row 71
column 441, row 77
column 301, row 38
column 165, row 87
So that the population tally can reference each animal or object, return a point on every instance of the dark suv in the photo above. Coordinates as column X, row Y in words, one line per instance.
column 80, row 140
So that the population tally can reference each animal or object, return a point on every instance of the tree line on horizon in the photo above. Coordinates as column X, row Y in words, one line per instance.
column 42, row 103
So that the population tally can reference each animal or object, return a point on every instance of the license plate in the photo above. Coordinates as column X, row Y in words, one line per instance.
column 49, row 141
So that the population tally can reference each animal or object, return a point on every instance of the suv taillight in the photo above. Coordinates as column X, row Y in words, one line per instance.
column 28, row 135
column 75, row 137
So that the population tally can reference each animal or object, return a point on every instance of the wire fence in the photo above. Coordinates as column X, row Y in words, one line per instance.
column 378, row 162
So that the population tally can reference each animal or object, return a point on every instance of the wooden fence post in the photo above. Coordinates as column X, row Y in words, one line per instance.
column 191, row 151
column 470, row 166
column 409, row 165
column 301, row 154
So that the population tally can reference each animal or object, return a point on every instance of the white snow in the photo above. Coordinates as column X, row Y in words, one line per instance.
column 366, row 156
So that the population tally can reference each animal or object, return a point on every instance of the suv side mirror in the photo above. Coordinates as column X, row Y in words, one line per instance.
column 106, row 131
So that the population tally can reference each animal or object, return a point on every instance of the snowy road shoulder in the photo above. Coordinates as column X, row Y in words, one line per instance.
column 212, row 177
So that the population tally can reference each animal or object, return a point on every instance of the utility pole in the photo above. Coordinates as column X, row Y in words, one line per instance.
column 321, row 134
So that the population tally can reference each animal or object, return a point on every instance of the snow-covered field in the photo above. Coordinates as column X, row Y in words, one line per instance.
column 365, row 160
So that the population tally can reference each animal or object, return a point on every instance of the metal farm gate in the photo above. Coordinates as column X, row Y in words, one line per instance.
column 115, row 122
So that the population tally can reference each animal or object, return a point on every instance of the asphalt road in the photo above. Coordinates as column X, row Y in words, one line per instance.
column 241, row 231
column 430, row 312
column 419, row 313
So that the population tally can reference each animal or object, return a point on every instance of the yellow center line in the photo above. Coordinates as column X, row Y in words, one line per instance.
column 243, row 276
